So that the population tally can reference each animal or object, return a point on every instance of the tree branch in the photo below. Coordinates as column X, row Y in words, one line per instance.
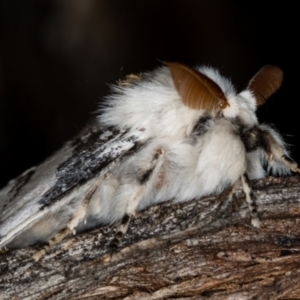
column 201, row 249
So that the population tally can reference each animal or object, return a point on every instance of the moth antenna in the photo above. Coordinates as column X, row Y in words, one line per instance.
column 197, row 91
column 265, row 83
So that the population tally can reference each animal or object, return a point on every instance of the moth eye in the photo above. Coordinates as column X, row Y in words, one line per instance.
column 265, row 83
column 197, row 91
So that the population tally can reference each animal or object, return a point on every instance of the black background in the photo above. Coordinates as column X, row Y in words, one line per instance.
column 57, row 58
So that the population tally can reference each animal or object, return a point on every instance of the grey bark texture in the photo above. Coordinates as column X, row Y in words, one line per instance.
column 201, row 249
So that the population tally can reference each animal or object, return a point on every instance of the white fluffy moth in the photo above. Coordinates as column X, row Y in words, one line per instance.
column 173, row 133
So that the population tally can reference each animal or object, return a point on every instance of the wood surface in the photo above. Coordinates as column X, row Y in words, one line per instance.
column 201, row 249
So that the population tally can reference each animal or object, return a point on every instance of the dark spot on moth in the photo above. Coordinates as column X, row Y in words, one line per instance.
column 201, row 127
column 247, row 181
column 252, row 197
column 156, row 155
column 20, row 182
column 145, row 177
column 252, row 138
column 86, row 141
column 119, row 235
column 91, row 155
column 125, row 219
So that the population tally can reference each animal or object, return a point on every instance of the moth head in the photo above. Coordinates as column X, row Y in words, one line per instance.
column 205, row 89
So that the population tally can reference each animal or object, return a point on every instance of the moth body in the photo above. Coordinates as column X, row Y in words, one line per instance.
column 174, row 133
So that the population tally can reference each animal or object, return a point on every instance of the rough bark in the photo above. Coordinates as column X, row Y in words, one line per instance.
column 201, row 249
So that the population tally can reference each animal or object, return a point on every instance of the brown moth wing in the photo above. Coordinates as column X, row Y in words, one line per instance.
column 197, row 91
column 265, row 83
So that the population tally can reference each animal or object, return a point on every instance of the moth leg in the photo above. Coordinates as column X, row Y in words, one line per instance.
column 250, row 198
column 77, row 217
column 123, row 227
column 275, row 149
column 232, row 191
column 55, row 240
column 141, row 184
column 290, row 163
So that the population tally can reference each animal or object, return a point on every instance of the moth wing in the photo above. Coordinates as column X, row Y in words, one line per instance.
column 65, row 176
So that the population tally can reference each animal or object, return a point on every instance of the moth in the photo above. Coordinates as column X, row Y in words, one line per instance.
column 174, row 133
